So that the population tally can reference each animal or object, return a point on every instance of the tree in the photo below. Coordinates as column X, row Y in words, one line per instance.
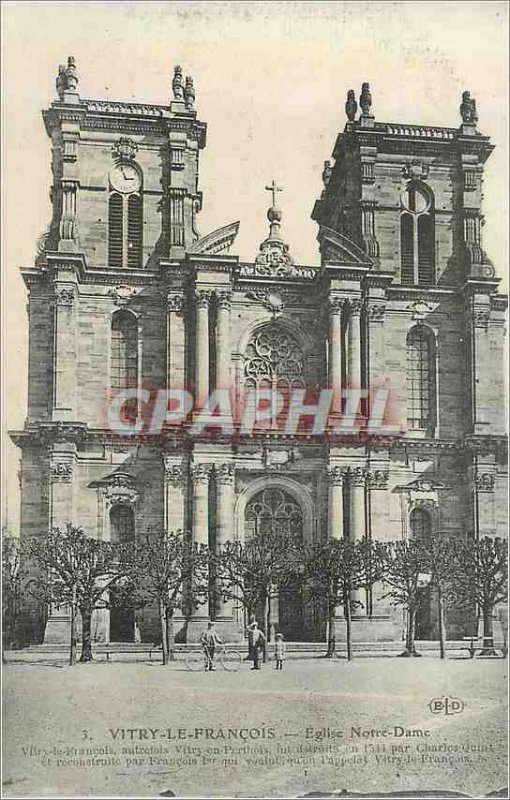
column 12, row 580
column 441, row 561
column 252, row 573
column 79, row 572
column 405, row 563
column 482, row 579
column 166, row 564
column 335, row 569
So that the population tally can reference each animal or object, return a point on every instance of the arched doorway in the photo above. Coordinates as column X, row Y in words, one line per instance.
column 421, row 529
column 275, row 512
column 122, row 619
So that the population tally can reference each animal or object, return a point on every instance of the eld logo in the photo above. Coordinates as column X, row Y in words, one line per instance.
column 446, row 705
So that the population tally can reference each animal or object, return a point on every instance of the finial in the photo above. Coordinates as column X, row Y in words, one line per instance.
column 61, row 81
column 328, row 169
column 189, row 94
column 468, row 109
column 177, row 83
column 71, row 76
column 351, row 105
column 273, row 257
column 125, row 149
column 365, row 99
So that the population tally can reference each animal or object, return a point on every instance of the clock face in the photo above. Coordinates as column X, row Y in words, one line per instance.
column 125, row 178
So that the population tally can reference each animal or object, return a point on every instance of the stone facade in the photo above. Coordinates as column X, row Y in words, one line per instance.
column 403, row 277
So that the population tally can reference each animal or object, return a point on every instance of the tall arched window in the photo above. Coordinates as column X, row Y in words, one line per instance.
column 125, row 227
column 417, row 248
column 420, row 524
column 124, row 357
column 421, row 380
column 122, row 524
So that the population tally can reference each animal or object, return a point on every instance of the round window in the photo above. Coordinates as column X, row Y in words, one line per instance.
column 415, row 200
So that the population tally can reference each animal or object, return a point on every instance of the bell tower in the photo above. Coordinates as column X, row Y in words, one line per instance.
column 125, row 175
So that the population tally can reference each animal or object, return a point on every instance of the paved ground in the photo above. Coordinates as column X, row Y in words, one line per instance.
column 318, row 726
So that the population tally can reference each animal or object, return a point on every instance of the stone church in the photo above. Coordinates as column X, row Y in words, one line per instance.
column 124, row 292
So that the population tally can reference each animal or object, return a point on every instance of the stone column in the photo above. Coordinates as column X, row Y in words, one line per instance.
column 357, row 523
column 223, row 341
column 224, row 524
column 61, row 470
column 64, row 364
column 175, row 506
column 335, row 351
column 176, row 342
column 200, row 522
column 202, row 348
column 354, row 349
column 336, row 502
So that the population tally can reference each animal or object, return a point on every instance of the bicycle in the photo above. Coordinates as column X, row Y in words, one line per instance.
column 229, row 660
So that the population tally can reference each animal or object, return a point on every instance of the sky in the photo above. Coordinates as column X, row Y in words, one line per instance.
column 271, row 81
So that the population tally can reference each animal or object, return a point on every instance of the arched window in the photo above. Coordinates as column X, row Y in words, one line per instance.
column 420, row 524
column 420, row 380
column 125, row 226
column 124, row 358
column 273, row 512
column 122, row 524
column 417, row 248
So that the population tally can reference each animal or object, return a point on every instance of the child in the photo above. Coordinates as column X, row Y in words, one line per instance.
column 279, row 651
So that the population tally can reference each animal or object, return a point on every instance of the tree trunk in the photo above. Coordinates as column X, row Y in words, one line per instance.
column 164, row 640
column 72, row 646
column 347, row 615
column 442, row 636
column 331, row 629
column 170, row 634
column 86, row 634
column 488, row 631
column 410, row 630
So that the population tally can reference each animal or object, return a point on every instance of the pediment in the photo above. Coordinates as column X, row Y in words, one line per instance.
column 339, row 249
column 218, row 241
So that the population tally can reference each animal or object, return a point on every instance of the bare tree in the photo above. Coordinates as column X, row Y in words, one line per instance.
column 335, row 569
column 12, row 580
column 252, row 573
column 165, row 566
column 482, row 579
column 405, row 563
column 441, row 562
column 77, row 571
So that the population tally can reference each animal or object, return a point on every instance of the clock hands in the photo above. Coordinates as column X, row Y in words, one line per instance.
column 126, row 177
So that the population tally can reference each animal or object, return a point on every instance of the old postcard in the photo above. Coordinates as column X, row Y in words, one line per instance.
column 254, row 275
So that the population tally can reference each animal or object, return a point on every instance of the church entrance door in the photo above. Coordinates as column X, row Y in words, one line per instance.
column 273, row 512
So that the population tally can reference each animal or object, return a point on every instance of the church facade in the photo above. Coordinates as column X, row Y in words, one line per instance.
column 126, row 295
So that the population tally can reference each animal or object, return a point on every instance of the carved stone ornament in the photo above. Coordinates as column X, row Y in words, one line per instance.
column 65, row 297
column 468, row 109
column 326, row 173
column 270, row 300
column 122, row 294
column 177, row 84
column 485, row 481
column 365, row 99
column 415, row 170
column 218, row 241
column 119, row 487
column 125, row 149
column 201, row 472
column 355, row 305
column 225, row 474
column 203, row 298
column 174, row 475
column 189, row 94
column 61, row 472
column 378, row 478
column 336, row 475
column 421, row 308
column 336, row 305
column 175, row 303
column 224, row 300
column 480, row 316
column 375, row 311
column 351, row 105
column 357, row 476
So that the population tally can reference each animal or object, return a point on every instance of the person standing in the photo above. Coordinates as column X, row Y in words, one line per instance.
column 279, row 651
column 251, row 625
column 258, row 646
column 209, row 640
